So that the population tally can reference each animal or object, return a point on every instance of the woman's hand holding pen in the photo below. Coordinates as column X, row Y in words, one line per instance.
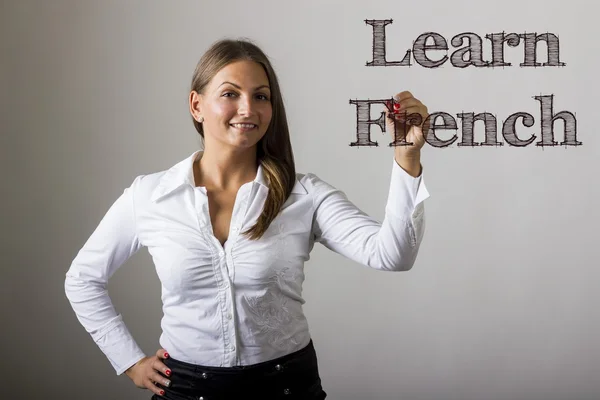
column 147, row 372
column 406, row 116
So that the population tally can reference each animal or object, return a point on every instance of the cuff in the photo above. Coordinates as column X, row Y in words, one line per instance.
column 120, row 348
column 406, row 192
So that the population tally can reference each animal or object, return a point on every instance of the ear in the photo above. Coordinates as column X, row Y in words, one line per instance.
column 195, row 104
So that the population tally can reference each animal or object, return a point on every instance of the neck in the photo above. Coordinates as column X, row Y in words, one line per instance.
column 225, row 170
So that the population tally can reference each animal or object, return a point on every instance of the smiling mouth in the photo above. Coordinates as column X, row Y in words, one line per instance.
column 244, row 127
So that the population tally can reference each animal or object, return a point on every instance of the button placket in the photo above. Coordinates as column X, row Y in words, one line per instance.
column 230, row 266
column 228, row 324
column 234, row 229
column 225, row 299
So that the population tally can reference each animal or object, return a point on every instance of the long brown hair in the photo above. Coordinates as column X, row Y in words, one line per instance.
column 274, row 149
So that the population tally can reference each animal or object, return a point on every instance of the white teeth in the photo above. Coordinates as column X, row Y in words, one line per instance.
column 244, row 125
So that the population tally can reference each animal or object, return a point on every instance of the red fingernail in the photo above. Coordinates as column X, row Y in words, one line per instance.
column 168, row 372
column 162, row 392
column 396, row 105
column 166, row 355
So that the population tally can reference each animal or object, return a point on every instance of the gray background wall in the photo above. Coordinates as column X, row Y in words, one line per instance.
column 501, row 303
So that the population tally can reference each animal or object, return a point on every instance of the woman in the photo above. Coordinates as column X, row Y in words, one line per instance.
column 229, row 229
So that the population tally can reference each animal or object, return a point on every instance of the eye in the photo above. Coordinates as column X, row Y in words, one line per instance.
column 263, row 97
column 227, row 93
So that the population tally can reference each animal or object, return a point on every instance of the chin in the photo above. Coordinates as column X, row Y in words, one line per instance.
column 243, row 142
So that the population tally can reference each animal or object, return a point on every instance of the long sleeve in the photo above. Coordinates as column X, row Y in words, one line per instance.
column 391, row 245
column 110, row 245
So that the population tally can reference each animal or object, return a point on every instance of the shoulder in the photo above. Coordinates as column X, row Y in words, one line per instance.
column 146, row 186
column 314, row 184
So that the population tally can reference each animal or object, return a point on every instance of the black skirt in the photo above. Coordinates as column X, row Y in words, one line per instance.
column 291, row 377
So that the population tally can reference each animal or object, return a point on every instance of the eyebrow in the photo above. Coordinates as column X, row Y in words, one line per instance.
column 239, row 87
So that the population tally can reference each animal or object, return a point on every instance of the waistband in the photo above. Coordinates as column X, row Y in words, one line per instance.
column 304, row 356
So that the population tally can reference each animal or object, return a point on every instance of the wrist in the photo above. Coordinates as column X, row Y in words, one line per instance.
column 409, row 162
column 129, row 371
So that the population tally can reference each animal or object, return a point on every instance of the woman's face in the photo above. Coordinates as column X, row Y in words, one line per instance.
column 236, row 105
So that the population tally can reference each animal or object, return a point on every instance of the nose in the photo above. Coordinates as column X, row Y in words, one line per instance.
column 245, row 106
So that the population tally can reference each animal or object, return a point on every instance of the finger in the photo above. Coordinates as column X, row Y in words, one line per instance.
column 410, row 114
column 403, row 95
column 162, row 353
column 400, row 100
column 151, row 386
column 159, row 380
column 404, row 104
column 397, row 128
column 418, row 108
column 395, row 125
column 161, row 367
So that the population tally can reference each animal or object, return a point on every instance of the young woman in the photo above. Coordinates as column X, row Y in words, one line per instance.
column 229, row 229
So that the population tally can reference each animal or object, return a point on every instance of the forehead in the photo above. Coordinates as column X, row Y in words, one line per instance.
column 247, row 74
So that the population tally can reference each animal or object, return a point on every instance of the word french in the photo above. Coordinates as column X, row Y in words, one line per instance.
column 547, row 120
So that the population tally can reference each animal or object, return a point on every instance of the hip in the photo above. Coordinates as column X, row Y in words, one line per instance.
column 294, row 376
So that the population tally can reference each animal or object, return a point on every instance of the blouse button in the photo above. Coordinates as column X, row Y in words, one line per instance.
column 287, row 391
column 278, row 367
column 204, row 376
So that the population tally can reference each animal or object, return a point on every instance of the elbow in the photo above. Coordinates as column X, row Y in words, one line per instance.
column 407, row 266
column 408, row 257
column 77, row 287
column 403, row 255
column 400, row 260
column 404, row 263
column 404, row 266
column 69, row 287
column 397, row 267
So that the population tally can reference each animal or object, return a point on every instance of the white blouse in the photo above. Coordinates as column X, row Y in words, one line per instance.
column 240, row 303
